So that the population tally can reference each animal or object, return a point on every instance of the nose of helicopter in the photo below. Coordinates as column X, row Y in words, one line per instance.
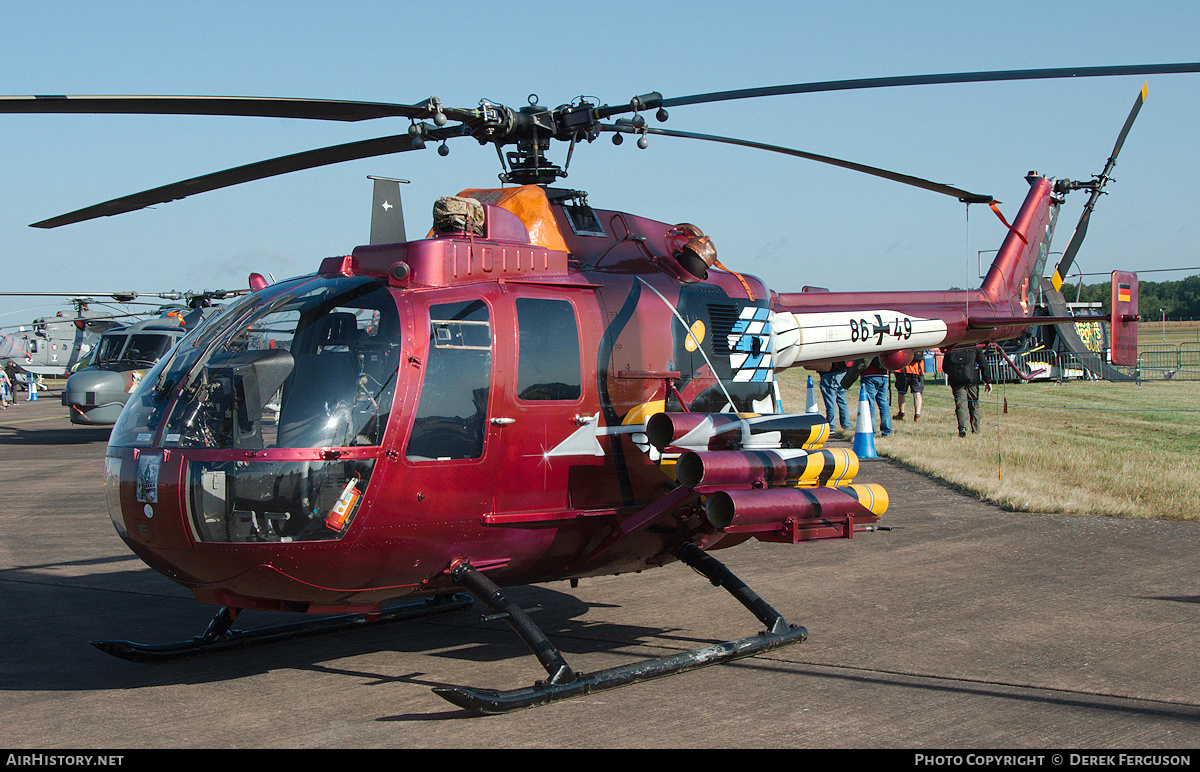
column 96, row 396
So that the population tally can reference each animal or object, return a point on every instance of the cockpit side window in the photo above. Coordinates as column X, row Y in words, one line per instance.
column 451, row 417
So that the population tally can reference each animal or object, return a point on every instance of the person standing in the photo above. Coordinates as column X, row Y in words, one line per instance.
column 6, row 395
column 965, row 369
column 911, row 379
column 837, row 412
column 875, row 380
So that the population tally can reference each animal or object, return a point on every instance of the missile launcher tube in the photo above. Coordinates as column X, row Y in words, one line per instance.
column 767, row 468
column 750, row 510
column 718, row 431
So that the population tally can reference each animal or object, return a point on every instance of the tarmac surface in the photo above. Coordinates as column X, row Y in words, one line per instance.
column 964, row 627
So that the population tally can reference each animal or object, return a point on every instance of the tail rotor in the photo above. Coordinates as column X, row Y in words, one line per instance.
column 1096, row 185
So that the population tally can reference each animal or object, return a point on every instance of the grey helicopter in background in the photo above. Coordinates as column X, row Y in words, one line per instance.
column 96, row 392
column 108, row 350
column 51, row 346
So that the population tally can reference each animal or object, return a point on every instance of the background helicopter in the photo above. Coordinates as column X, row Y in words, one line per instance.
column 108, row 350
column 645, row 429
column 96, row 393
column 54, row 345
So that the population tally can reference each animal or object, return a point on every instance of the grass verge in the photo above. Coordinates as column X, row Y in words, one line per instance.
column 1089, row 448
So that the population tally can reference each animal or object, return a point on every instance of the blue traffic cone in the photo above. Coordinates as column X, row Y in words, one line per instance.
column 812, row 398
column 864, row 428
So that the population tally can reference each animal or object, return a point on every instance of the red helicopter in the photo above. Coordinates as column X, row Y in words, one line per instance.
column 535, row 390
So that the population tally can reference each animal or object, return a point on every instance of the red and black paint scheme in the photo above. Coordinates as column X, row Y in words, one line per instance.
column 416, row 415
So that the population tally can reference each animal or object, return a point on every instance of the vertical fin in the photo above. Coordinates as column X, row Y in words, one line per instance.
column 387, row 215
column 1023, row 253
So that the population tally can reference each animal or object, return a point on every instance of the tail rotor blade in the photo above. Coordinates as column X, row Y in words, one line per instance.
column 1133, row 113
column 1097, row 189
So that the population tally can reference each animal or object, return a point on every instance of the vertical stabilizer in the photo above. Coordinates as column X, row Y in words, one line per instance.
column 387, row 215
column 1018, row 265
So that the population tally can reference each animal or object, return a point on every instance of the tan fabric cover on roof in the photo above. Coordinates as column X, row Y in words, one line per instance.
column 458, row 213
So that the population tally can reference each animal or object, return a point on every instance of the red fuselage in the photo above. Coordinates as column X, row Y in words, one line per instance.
column 340, row 440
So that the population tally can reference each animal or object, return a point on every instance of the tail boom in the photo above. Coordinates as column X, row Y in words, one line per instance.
column 826, row 326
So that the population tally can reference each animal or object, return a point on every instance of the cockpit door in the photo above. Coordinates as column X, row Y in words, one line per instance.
column 448, row 449
column 546, row 418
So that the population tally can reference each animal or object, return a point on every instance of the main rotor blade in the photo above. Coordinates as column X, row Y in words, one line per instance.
column 936, row 187
column 1068, row 256
column 921, row 80
column 265, row 107
column 256, row 171
column 117, row 296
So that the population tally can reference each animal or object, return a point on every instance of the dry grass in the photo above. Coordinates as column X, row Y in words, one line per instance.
column 1089, row 448
column 1173, row 333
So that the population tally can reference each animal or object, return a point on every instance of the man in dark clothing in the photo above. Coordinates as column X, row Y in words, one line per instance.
column 965, row 368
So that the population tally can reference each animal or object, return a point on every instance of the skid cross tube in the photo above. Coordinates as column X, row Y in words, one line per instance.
column 219, row 637
column 565, row 682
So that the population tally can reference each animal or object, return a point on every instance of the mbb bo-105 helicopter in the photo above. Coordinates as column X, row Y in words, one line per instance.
column 537, row 390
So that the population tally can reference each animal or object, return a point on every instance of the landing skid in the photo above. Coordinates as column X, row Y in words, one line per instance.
column 219, row 637
column 565, row 682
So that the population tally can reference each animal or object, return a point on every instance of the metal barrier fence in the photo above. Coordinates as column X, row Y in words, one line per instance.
column 1167, row 361
column 1180, row 362
column 1156, row 362
column 1044, row 365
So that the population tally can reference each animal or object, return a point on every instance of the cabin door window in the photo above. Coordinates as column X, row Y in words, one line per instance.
column 451, row 418
column 548, row 350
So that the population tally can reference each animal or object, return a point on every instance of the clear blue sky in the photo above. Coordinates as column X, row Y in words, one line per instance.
column 789, row 221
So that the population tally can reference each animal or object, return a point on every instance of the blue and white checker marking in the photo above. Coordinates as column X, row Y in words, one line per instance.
column 752, row 324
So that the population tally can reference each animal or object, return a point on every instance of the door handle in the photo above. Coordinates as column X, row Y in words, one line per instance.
column 502, row 421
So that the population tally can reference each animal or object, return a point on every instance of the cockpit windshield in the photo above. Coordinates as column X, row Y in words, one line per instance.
column 303, row 365
column 140, row 349
column 306, row 364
